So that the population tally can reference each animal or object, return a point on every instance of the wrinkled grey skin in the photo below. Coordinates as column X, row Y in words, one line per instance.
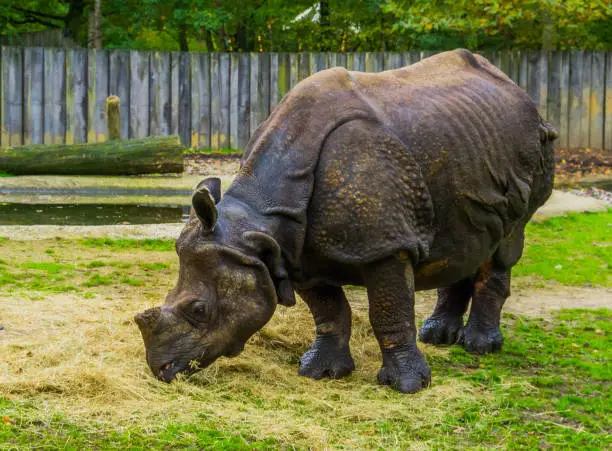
column 417, row 178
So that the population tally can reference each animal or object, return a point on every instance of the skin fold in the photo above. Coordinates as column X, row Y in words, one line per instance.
column 417, row 178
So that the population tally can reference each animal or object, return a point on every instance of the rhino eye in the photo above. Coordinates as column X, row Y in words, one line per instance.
column 199, row 310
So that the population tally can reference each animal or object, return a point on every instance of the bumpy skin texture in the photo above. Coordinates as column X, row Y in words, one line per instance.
column 417, row 178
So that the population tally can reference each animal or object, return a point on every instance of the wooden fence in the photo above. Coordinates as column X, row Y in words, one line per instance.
column 216, row 100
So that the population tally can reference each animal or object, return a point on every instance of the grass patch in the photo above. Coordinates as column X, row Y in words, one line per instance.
column 153, row 266
column 97, row 280
column 213, row 152
column 120, row 244
column 73, row 371
column 133, row 282
column 573, row 250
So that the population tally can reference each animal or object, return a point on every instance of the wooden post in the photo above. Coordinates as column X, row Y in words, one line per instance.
column 113, row 117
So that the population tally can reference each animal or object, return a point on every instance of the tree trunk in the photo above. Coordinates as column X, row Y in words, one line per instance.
column 97, row 37
column 548, row 30
column 183, row 44
column 152, row 155
column 324, row 23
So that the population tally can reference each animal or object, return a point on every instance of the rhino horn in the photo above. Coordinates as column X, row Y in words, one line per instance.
column 147, row 321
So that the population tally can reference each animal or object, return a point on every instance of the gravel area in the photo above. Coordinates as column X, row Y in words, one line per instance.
column 206, row 166
column 596, row 193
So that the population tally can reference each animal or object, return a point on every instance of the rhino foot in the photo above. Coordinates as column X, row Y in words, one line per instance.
column 441, row 329
column 481, row 341
column 326, row 358
column 404, row 369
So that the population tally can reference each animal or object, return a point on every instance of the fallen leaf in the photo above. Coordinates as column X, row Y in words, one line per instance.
column 7, row 420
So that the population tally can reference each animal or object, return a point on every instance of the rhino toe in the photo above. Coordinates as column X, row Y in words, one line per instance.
column 326, row 359
column 441, row 330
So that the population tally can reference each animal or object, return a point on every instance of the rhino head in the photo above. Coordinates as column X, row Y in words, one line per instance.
column 224, row 294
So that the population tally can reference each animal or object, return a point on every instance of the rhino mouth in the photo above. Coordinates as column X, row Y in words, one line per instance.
column 169, row 370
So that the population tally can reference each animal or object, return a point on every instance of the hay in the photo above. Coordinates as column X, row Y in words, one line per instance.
column 80, row 355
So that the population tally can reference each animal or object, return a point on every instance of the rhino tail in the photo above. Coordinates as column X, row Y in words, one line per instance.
column 547, row 132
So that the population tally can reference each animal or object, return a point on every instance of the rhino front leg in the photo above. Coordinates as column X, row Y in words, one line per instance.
column 330, row 355
column 390, row 286
column 446, row 322
column 482, row 333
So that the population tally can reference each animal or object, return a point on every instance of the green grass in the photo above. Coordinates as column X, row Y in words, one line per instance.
column 572, row 250
column 124, row 244
column 6, row 174
column 16, row 430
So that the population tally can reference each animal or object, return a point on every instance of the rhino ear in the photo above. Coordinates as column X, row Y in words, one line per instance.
column 204, row 207
column 213, row 185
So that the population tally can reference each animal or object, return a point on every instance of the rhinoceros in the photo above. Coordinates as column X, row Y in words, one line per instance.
column 411, row 179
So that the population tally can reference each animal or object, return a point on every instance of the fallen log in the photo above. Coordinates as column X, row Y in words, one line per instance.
column 152, row 155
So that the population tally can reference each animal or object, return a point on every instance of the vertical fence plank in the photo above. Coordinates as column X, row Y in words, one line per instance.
column 543, row 62
column 215, row 100
column 76, row 97
column 201, row 100
column 101, row 95
column 585, row 110
column 564, row 92
column 608, row 97
column 294, row 70
column 139, row 94
column 219, row 100
column 244, row 100
column 332, row 60
column 184, row 119
column 33, row 95
column 254, row 77
column 553, row 98
column 504, row 62
column 341, row 60
column 284, row 75
column 260, row 88
column 12, row 96
column 234, row 99
column 119, row 85
column 263, row 88
column 159, row 94
column 575, row 103
column 303, row 66
column 317, row 62
column 54, row 116
column 373, row 62
column 174, row 92
column 359, row 62
column 596, row 136
column 274, row 99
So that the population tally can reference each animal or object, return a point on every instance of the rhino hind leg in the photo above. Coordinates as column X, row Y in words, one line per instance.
column 390, row 285
column 481, row 333
column 329, row 355
column 445, row 324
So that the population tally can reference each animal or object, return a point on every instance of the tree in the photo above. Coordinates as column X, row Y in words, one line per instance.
column 33, row 15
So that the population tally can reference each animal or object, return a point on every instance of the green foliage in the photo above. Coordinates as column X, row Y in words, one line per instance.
column 573, row 250
column 330, row 25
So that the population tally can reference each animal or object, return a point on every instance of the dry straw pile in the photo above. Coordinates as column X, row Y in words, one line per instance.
column 80, row 355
